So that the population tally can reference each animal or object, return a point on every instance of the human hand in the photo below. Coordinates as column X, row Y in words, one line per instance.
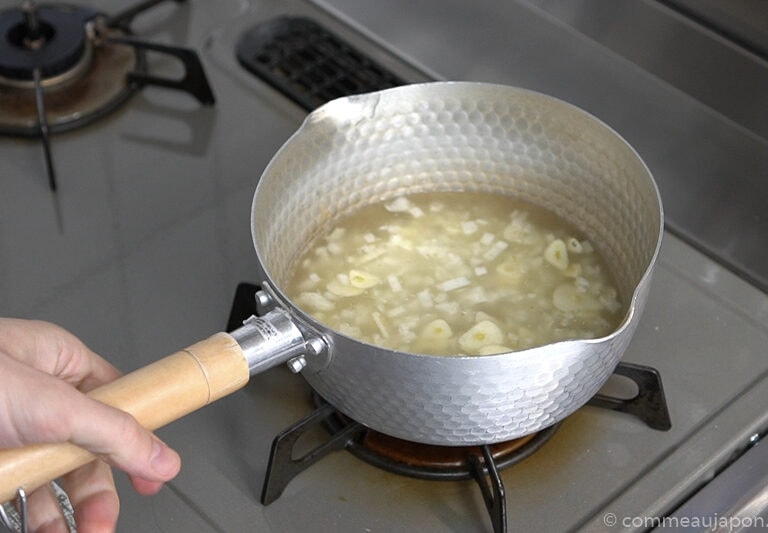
column 46, row 371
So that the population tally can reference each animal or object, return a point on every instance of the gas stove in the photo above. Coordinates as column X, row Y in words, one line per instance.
column 142, row 245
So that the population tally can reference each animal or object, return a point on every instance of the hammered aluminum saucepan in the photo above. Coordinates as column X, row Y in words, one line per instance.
column 460, row 137
column 351, row 152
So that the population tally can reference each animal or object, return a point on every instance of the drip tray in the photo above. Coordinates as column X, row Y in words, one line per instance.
column 308, row 63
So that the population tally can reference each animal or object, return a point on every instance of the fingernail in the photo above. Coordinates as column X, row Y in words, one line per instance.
column 164, row 461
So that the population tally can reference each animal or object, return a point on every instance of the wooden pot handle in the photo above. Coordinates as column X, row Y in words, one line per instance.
column 155, row 395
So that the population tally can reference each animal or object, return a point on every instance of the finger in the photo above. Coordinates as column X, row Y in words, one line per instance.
column 81, row 367
column 94, row 499
column 122, row 442
column 56, row 412
column 55, row 351
column 44, row 512
column 144, row 487
column 118, row 439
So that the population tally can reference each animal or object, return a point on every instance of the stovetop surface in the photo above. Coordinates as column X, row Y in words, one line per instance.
column 689, row 100
column 140, row 252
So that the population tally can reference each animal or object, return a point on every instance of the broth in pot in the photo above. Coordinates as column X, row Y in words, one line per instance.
column 457, row 273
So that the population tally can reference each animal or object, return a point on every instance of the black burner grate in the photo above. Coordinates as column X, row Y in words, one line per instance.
column 308, row 63
column 479, row 463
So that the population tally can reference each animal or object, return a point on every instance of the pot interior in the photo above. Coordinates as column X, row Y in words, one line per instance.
column 454, row 136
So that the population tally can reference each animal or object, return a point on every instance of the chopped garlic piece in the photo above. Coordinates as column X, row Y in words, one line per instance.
column 398, row 205
column 495, row 250
column 609, row 299
column 416, row 212
column 394, row 283
column 315, row 301
column 380, row 324
column 477, row 295
column 450, row 309
column 573, row 270
column 453, row 284
column 511, row 269
column 437, row 329
column 425, row 298
column 556, row 254
column 487, row 239
column 567, row 297
column 574, row 246
column 398, row 240
column 610, row 303
column 469, row 227
column 363, row 280
column 405, row 330
column 480, row 271
column 482, row 334
column 374, row 254
column 342, row 289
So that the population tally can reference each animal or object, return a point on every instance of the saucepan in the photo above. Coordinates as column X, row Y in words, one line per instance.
column 359, row 150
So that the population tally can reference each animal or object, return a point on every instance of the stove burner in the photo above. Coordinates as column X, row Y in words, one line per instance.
column 88, row 65
column 51, row 38
column 64, row 66
column 433, row 458
column 425, row 461
column 444, row 463
column 93, row 87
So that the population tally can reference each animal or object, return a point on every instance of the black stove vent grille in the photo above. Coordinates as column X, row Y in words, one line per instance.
column 308, row 63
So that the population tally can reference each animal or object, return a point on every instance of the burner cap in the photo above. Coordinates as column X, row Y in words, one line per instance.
column 52, row 38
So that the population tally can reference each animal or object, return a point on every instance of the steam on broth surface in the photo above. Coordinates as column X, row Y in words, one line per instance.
column 450, row 273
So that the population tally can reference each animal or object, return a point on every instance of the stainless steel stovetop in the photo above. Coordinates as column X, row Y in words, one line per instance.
column 141, row 249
